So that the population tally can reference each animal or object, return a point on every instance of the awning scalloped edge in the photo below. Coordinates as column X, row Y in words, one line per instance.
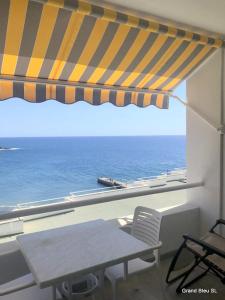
column 69, row 94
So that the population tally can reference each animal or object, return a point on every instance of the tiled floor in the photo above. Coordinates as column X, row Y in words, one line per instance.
column 147, row 286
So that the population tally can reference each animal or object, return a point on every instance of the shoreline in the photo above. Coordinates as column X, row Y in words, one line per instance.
column 174, row 177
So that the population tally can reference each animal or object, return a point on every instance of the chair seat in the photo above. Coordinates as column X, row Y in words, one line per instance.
column 12, row 262
column 9, row 247
column 32, row 293
column 134, row 266
column 216, row 241
column 17, row 284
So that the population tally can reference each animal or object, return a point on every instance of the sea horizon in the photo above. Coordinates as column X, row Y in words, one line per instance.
column 89, row 136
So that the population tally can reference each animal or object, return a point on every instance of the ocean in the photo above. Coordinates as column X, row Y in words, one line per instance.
column 42, row 168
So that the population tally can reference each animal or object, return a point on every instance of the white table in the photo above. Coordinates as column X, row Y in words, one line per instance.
column 58, row 254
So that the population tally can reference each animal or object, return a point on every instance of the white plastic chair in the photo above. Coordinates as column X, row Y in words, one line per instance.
column 16, row 282
column 145, row 227
column 32, row 293
column 16, row 275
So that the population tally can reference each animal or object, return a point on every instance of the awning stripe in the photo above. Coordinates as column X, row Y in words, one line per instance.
column 132, row 21
column 13, row 37
column 97, row 58
column 171, row 68
column 66, row 50
column 163, row 56
column 187, row 69
column 119, row 56
column 97, row 31
column 113, row 50
column 78, row 46
column 4, row 12
column 55, row 42
column 29, row 35
column 67, row 44
column 146, row 53
column 157, row 51
column 43, row 38
column 131, row 55
column 40, row 92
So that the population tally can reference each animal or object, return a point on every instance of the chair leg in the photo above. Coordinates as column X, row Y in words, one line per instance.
column 53, row 292
column 69, row 290
column 101, row 277
column 193, row 280
column 181, row 284
column 173, row 263
column 161, row 282
column 114, row 289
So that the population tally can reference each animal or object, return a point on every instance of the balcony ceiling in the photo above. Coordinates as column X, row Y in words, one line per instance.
column 204, row 14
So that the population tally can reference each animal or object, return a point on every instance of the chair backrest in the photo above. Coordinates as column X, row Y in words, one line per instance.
column 146, row 225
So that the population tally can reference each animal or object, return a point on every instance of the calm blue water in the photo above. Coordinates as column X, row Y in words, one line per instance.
column 52, row 167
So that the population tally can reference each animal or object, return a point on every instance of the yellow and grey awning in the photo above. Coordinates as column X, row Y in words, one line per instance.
column 70, row 51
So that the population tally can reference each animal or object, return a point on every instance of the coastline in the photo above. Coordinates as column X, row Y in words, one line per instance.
column 53, row 167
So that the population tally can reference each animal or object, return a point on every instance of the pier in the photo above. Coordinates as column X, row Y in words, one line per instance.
column 110, row 182
column 157, row 181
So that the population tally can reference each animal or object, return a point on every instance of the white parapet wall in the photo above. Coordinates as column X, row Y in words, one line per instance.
column 45, row 215
column 15, row 226
column 11, row 227
column 176, row 222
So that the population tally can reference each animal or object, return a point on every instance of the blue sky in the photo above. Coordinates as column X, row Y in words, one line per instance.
column 19, row 118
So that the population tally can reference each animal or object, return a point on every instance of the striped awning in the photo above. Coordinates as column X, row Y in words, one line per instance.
column 70, row 51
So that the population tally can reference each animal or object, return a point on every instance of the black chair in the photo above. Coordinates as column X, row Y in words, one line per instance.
column 208, row 251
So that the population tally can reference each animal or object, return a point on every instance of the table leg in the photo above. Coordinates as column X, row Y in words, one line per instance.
column 125, row 270
column 161, row 282
column 54, row 292
column 70, row 289
column 101, row 275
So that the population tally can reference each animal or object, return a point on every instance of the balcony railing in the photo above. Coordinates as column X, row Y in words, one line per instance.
column 86, row 199
column 151, row 181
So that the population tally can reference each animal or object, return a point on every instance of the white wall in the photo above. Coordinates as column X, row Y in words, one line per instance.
column 171, row 235
column 203, row 142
